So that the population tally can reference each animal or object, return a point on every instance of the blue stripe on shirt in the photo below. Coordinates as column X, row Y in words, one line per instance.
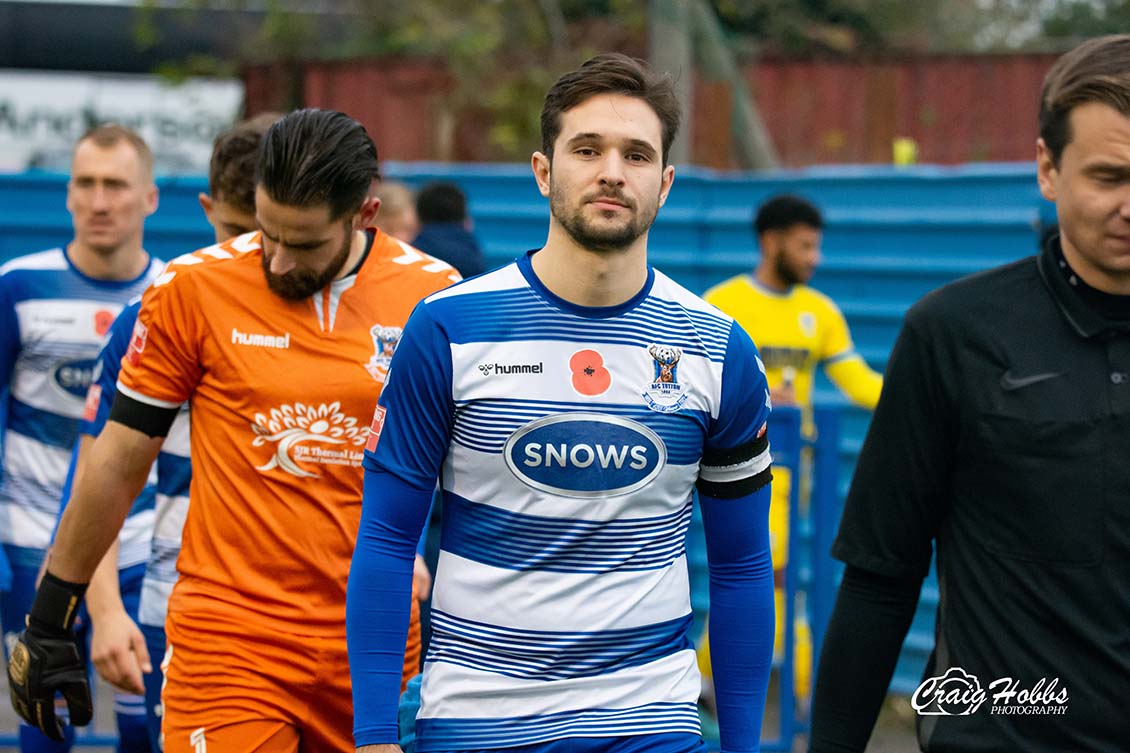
column 514, row 541
column 549, row 655
column 43, row 426
column 463, row 734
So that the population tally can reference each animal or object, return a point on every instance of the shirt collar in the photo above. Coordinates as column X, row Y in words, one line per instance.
column 1082, row 318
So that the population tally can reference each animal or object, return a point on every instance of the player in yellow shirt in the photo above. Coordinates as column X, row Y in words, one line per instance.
column 796, row 329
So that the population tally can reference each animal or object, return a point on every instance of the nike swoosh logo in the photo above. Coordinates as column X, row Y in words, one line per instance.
column 1010, row 382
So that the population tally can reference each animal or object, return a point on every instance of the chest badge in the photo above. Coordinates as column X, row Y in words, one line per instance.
column 385, row 340
column 665, row 394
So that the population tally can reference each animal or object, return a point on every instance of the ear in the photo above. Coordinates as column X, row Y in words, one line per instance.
column 1046, row 170
column 665, row 186
column 540, row 164
column 205, row 204
column 151, row 196
column 367, row 214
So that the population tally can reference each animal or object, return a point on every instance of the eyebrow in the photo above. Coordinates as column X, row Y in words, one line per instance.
column 1108, row 168
column 304, row 244
column 640, row 144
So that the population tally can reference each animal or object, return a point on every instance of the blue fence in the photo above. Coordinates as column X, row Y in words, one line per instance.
column 891, row 236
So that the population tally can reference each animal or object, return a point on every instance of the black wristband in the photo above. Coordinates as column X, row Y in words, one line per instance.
column 56, row 605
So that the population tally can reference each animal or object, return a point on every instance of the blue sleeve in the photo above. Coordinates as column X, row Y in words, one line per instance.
column 9, row 335
column 407, row 446
column 415, row 412
column 741, row 613
column 105, row 385
column 735, row 457
column 378, row 601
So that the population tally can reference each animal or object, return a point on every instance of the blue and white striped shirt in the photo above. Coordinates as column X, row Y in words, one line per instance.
column 53, row 319
column 568, row 441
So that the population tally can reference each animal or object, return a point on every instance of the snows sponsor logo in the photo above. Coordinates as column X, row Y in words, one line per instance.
column 959, row 693
column 300, row 433
column 74, row 377
column 260, row 341
column 585, row 455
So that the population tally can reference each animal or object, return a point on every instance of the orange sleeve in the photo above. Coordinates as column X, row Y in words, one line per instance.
column 162, row 363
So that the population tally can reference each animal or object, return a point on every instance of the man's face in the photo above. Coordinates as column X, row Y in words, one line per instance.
column 797, row 252
column 1091, row 191
column 606, row 181
column 304, row 248
column 109, row 195
column 227, row 220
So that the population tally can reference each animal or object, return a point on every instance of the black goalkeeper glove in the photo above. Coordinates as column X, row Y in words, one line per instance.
column 45, row 660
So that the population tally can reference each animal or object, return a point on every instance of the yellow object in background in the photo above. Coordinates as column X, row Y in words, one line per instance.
column 905, row 151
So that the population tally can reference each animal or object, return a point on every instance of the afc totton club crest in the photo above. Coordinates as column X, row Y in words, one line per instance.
column 665, row 394
column 385, row 340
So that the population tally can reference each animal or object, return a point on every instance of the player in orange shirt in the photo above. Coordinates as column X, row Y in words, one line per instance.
column 280, row 340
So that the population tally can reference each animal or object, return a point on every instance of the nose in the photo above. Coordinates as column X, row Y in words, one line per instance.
column 100, row 199
column 281, row 262
column 612, row 169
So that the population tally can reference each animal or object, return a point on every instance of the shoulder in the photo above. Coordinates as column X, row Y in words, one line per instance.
column 42, row 261
column 41, row 265
column 735, row 285
column 396, row 260
column 698, row 308
column 212, row 264
column 813, row 300
column 976, row 300
column 45, row 274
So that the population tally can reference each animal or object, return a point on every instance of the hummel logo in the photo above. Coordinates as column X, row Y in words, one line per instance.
column 511, row 368
column 260, row 341
column 1010, row 382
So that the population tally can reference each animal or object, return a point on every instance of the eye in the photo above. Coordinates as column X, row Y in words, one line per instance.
column 585, row 151
column 638, row 157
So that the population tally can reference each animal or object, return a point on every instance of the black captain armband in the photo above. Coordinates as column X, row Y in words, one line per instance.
column 151, row 420
column 728, row 474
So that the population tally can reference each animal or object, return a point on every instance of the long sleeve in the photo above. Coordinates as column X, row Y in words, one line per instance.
column 861, row 648
column 378, row 601
column 741, row 613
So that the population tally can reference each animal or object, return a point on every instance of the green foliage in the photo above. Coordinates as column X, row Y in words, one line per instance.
column 1090, row 18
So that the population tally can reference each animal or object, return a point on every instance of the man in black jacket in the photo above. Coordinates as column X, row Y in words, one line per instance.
column 1002, row 437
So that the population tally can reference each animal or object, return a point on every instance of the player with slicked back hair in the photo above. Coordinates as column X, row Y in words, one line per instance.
column 124, row 656
column 279, row 340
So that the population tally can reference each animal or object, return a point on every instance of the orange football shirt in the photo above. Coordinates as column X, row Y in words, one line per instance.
column 281, row 395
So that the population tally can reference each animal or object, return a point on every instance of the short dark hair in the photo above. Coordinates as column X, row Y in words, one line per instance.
column 611, row 73
column 784, row 211
column 441, row 202
column 231, row 171
column 312, row 157
column 108, row 135
column 1096, row 71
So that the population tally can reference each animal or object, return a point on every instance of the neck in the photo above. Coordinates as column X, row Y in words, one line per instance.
column 764, row 275
column 124, row 263
column 356, row 251
column 591, row 278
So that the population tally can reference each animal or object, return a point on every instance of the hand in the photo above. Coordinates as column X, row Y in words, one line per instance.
column 118, row 651
column 41, row 665
column 421, row 579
